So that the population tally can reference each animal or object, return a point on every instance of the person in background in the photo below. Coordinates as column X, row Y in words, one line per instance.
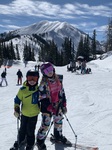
column 20, row 75
column 26, row 102
column 83, row 67
column 53, row 104
column 38, row 67
column 5, row 69
column 3, row 78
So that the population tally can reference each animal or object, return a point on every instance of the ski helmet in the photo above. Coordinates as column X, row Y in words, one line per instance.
column 45, row 68
column 32, row 74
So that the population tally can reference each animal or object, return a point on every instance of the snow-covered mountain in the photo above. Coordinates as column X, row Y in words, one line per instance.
column 52, row 30
column 47, row 30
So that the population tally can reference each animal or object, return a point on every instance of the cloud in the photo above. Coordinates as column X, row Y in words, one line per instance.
column 101, row 28
column 86, row 25
column 100, row 10
column 48, row 10
column 12, row 26
column 9, row 26
column 6, row 20
column 1, row 25
column 90, row 27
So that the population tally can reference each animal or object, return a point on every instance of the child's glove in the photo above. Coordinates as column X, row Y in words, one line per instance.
column 64, row 110
column 17, row 111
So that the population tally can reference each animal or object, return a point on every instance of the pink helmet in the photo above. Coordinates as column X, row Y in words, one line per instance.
column 46, row 68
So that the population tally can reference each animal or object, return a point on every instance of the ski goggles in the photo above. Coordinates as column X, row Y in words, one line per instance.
column 48, row 70
column 34, row 78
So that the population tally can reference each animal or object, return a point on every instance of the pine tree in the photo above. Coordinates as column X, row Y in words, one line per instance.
column 94, row 44
column 11, row 51
column 53, row 52
column 109, row 36
column 86, row 48
column 80, row 48
column 1, row 54
column 17, row 53
column 5, row 51
column 67, row 51
column 32, row 54
column 25, row 53
column 41, row 53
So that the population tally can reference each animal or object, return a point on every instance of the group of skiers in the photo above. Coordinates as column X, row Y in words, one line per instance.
column 80, row 65
column 48, row 98
column 4, row 74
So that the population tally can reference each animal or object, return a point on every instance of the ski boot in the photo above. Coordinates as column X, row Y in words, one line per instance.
column 61, row 139
column 29, row 147
column 41, row 145
column 15, row 146
column 18, row 147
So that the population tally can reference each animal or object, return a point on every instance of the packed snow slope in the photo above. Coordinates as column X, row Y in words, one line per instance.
column 89, row 102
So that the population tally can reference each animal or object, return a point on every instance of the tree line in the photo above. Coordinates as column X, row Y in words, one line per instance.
column 8, row 53
column 49, row 51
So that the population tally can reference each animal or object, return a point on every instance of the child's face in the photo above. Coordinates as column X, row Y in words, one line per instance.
column 31, row 82
column 50, row 74
column 49, row 71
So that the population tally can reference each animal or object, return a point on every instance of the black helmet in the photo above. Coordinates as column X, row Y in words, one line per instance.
column 32, row 73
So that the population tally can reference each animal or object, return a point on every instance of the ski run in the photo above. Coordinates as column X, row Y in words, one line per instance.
column 88, row 101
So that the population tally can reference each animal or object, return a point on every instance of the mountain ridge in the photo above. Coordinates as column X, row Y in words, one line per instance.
column 49, row 30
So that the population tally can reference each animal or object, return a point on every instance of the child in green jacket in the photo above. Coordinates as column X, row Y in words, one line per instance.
column 27, row 98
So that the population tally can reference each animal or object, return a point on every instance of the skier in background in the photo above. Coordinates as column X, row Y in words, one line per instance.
column 83, row 67
column 38, row 67
column 20, row 75
column 3, row 78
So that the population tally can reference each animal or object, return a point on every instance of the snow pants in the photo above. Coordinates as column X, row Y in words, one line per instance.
column 27, row 130
column 19, row 80
column 4, row 79
column 83, row 70
column 46, row 120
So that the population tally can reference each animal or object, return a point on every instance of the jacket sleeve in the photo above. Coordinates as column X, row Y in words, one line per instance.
column 43, row 98
column 18, row 99
column 62, row 97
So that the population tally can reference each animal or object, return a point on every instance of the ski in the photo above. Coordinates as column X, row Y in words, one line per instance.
column 69, row 144
column 78, row 146
column 83, row 147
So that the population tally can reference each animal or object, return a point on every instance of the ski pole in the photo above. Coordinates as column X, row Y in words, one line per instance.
column 48, row 130
column 72, row 130
column 18, row 130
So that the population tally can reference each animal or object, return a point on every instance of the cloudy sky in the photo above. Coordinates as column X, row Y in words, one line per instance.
column 85, row 15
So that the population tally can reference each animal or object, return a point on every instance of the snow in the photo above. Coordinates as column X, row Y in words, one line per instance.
column 88, row 101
